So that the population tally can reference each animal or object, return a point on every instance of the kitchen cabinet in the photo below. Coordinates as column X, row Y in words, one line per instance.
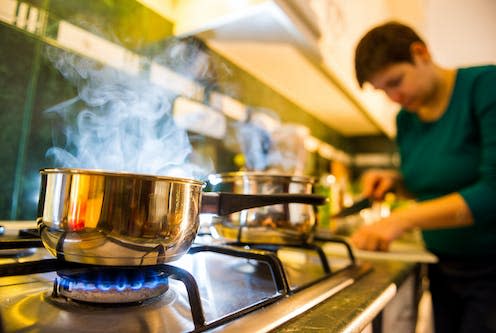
column 400, row 314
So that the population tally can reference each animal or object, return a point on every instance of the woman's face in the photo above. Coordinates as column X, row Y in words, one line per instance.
column 410, row 85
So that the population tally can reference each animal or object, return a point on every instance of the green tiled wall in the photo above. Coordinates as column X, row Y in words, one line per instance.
column 29, row 84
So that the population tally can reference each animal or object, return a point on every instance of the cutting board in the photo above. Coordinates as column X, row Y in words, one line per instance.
column 399, row 251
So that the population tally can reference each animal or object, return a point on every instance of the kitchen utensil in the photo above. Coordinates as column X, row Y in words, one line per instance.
column 124, row 219
column 355, row 208
column 288, row 223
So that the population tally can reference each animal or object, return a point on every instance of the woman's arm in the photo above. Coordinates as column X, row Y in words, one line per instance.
column 448, row 211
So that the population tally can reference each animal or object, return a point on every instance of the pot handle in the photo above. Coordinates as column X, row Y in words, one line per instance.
column 224, row 203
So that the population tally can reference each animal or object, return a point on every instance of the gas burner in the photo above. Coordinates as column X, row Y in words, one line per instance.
column 111, row 285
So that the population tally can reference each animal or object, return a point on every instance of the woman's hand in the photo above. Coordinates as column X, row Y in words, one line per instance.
column 379, row 235
column 376, row 183
column 449, row 211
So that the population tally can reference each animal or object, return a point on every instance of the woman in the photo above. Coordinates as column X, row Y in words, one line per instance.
column 446, row 136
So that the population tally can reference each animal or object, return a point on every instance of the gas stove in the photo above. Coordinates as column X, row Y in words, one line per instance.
column 215, row 287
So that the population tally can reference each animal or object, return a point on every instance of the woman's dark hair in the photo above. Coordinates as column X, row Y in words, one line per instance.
column 382, row 46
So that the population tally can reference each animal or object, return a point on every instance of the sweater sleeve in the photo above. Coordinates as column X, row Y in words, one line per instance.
column 481, row 196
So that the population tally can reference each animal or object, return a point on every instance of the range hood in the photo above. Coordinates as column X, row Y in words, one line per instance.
column 277, row 41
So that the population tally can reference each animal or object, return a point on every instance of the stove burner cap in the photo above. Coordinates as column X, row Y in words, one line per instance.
column 111, row 285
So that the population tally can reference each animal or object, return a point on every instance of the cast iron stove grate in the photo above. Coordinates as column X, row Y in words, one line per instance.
column 266, row 253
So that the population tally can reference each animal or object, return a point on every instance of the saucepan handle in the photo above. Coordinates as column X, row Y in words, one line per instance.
column 224, row 203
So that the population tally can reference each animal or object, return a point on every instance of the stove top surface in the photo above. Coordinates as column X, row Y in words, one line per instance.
column 229, row 287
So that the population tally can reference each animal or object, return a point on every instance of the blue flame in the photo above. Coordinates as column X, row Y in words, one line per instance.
column 106, row 281
column 121, row 283
column 138, row 280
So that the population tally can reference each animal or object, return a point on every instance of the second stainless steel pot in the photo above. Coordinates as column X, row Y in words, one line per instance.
column 287, row 223
column 123, row 219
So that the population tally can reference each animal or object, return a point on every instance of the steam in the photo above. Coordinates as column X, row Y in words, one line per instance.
column 117, row 122
column 269, row 145
column 288, row 153
column 255, row 144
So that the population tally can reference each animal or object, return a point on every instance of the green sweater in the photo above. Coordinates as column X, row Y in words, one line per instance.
column 456, row 153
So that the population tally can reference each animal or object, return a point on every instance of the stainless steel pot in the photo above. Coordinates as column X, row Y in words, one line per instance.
column 123, row 219
column 287, row 223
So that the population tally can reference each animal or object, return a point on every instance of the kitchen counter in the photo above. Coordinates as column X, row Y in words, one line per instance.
column 352, row 309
